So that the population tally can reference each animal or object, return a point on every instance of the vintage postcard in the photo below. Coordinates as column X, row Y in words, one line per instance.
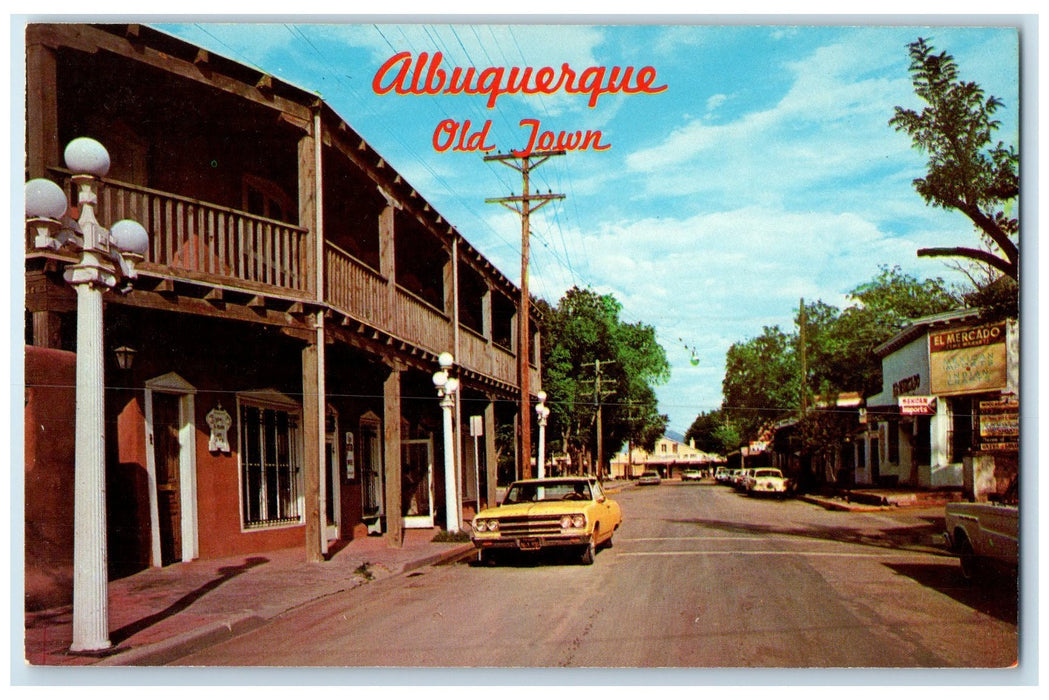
column 394, row 346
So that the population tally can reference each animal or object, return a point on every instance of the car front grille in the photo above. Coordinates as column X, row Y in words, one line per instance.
column 530, row 526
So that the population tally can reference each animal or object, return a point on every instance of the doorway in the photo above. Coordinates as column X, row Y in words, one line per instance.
column 417, row 482
column 371, row 472
column 331, row 494
column 171, row 469
column 167, row 454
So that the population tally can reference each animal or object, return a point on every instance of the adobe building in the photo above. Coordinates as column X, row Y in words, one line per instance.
column 285, row 324
column 948, row 412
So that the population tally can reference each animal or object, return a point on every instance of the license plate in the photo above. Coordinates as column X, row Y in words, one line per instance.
column 529, row 543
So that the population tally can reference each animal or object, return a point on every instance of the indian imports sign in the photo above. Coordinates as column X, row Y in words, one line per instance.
column 999, row 425
column 917, row 405
column 965, row 360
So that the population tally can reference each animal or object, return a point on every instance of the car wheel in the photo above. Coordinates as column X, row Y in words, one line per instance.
column 589, row 551
column 967, row 559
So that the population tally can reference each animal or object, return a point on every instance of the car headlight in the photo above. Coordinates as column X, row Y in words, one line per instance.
column 480, row 525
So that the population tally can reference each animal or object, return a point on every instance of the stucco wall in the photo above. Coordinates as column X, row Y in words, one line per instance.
column 50, row 376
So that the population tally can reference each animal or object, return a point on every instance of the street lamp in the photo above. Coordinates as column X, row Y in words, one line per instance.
column 107, row 259
column 446, row 388
column 542, row 413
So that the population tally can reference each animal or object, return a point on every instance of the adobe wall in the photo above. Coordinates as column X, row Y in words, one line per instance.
column 50, row 377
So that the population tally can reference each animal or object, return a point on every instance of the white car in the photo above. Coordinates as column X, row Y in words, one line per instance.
column 765, row 481
column 649, row 478
column 985, row 536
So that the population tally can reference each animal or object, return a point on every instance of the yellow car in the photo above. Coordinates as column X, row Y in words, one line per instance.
column 567, row 512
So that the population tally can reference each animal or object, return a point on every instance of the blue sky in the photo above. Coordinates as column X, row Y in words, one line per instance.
column 765, row 173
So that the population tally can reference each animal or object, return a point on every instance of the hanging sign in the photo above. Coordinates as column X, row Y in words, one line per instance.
column 917, row 405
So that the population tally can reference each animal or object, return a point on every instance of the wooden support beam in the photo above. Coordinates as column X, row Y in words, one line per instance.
column 391, row 394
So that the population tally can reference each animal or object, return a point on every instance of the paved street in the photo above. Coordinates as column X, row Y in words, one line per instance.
column 699, row 576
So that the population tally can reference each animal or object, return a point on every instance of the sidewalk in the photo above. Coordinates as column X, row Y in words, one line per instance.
column 858, row 500
column 158, row 614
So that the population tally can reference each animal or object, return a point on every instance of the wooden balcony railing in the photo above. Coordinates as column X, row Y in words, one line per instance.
column 364, row 294
column 356, row 289
column 209, row 241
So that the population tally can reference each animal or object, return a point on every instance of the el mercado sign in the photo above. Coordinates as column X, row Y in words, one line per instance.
column 967, row 360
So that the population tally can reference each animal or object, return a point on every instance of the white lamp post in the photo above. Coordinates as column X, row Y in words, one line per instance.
column 542, row 413
column 446, row 388
column 107, row 257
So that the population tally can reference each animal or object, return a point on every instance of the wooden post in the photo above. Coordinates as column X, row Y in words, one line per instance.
column 490, row 460
column 387, row 259
column 42, row 147
column 312, row 436
column 391, row 393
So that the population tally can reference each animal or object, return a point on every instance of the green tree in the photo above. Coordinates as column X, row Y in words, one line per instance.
column 840, row 344
column 762, row 381
column 966, row 170
column 760, row 384
column 705, row 432
column 585, row 328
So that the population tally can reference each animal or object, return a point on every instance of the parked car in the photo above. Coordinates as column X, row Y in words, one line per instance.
column 649, row 478
column 985, row 536
column 722, row 474
column 692, row 475
column 766, row 481
column 739, row 480
column 564, row 512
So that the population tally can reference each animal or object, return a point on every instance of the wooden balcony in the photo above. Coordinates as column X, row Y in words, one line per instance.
column 217, row 245
column 208, row 242
column 363, row 294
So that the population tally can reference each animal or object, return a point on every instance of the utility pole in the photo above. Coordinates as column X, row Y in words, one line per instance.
column 599, row 396
column 522, row 204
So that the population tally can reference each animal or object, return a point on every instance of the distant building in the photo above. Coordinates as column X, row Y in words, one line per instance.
column 669, row 456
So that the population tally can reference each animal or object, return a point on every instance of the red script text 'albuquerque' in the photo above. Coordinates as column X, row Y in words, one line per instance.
column 429, row 78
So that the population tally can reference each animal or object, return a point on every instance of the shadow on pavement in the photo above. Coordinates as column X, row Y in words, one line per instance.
column 993, row 595
column 226, row 573
column 913, row 537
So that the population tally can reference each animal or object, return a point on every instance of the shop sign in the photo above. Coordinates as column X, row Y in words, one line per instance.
column 966, row 360
column 917, row 405
column 999, row 425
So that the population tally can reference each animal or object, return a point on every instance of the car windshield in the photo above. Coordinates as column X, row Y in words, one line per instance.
column 535, row 491
column 769, row 472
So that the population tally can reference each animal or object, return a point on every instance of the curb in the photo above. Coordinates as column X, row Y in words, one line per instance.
column 840, row 506
column 445, row 557
column 165, row 651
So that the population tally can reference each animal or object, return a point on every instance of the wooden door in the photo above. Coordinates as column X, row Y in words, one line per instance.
column 167, row 453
